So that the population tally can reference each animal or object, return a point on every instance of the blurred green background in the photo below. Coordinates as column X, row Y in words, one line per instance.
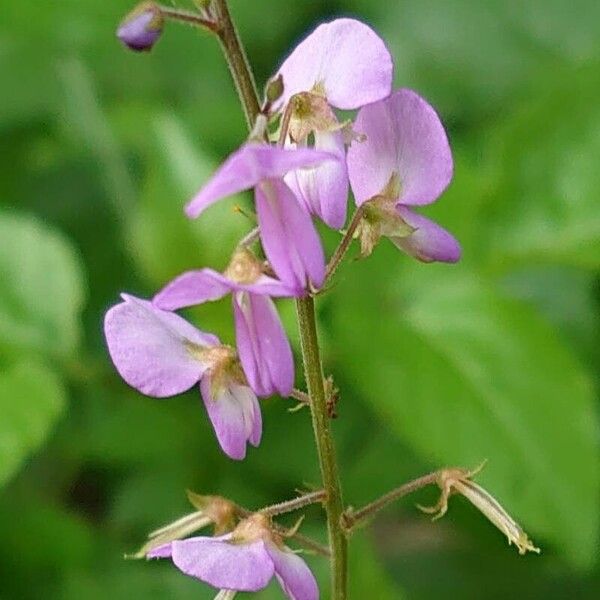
column 497, row 357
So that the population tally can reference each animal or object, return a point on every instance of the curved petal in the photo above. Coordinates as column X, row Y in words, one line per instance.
column 191, row 288
column 233, row 414
column 346, row 58
column 288, row 235
column 429, row 242
column 263, row 346
column 252, row 415
column 293, row 574
column 222, row 564
column 324, row 189
column 249, row 165
column 404, row 136
column 151, row 348
column 268, row 286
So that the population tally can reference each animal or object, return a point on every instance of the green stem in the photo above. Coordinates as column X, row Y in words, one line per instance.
column 343, row 246
column 294, row 504
column 353, row 518
column 305, row 308
column 238, row 62
column 189, row 18
column 246, row 88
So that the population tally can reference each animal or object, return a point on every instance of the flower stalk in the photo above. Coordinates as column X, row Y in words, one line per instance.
column 305, row 308
column 354, row 518
column 189, row 18
column 294, row 504
column 340, row 252
column 237, row 62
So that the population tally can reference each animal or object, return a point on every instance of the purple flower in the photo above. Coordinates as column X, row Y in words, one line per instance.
column 405, row 161
column 244, row 561
column 263, row 346
column 161, row 355
column 142, row 27
column 288, row 235
column 343, row 60
column 343, row 64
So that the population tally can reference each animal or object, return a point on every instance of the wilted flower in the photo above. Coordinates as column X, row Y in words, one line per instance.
column 142, row 27
column 405, row 161
column 245, row 560
column 212, row 510
column 459, row 481
column 263, row 346
column 288, row 235
column 341, row 64
column 161, row 355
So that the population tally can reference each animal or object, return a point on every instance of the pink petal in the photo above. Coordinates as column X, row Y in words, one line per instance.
column 246, row 167
column 347, row 58
column 429, row 242
column 288, row 235
column 268, row 286
column 164, row 551
column 191, row 288
column 324, row 189
column 293, row 574
column 234, row 414
column 150, row 347
column 263, row 346
column 196, row 287
column 222, row 564
column 404, row 136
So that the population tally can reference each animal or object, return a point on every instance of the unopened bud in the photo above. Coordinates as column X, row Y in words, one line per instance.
column 274, row 89
column 142, row 27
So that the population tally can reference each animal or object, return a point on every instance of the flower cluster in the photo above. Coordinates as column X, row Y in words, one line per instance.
column 394, row 156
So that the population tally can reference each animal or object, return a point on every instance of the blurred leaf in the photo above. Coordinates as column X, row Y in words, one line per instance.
column 463, row 375
column 368, row 578
column 546, row 201
column 567, row 297
column 42, row 288
column 471, row 56
column 164, row 241
column 31, row 400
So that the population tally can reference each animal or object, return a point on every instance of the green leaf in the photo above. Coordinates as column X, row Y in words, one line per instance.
column 463, row 374
column 165, row 241
column 545, row 203
column 41, row 288
column 31, row 400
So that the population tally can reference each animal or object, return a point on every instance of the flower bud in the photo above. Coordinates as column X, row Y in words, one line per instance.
column 142, row 27
column 274, row 89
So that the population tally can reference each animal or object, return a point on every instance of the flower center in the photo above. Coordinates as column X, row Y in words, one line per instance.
column 255, row 527
column 310, row 113
column 244, row 267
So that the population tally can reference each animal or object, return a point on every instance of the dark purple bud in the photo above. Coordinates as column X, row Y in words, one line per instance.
column 142, row 27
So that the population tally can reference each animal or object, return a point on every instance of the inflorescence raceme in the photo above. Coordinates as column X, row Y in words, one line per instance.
column 301, row 160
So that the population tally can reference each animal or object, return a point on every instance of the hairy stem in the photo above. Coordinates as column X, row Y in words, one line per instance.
column 305, row 308
column 238, row 62
column 354, row 518
column 246, row 88
column 294, row 504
